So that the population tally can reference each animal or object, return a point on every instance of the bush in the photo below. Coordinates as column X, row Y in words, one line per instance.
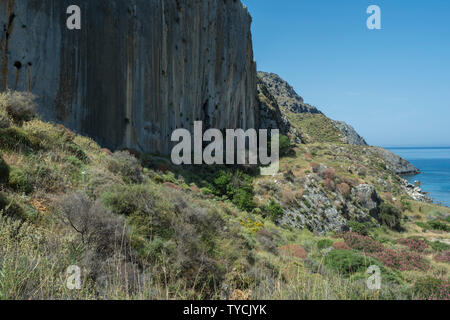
column 390, row 216
column 401, row 260
column 126, row 165
column 222, row 183
column 5, row 121
column 438, row 246
column 19, row 182
column 344, row 189
column 10, row 208
column 20, row 106
column 358, row 227
column 431, row 288
column 236, row 187
column 96, row 226
column 324, row 243
column 285, row 145
column 443, row 256
column 244, row 199
column 414, row 244
column 4, row 171
column 438, row 225
column 348, row 262
column 14, row 139
column 273, row 210
column 362, row 243
column 340, row 246
column 294, row 250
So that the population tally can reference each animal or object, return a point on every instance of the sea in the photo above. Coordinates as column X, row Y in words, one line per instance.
column 434, row 163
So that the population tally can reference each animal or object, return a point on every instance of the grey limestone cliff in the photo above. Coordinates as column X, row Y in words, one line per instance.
column 350, row 134
column 285, row 95
column 137, row 69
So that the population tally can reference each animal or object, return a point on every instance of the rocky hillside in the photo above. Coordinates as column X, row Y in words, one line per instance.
column 136, row 70
column 281, row 107
column 350, row 134
column 285, row 95
column 139, row 227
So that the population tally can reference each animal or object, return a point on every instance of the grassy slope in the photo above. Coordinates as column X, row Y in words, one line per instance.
column 179, row 241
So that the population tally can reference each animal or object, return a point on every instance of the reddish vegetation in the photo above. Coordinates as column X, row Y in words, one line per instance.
column 328, row 183
column 329, row 174
column 388, row 197
column 397, row 259
column 315, row 167
column 402, row 260
column 195, row 189
column 443, row 256
column 171, row 186
column 308, row 156
column 344, row 189
column 294, row 250
column 414, row 244
column 340, row 246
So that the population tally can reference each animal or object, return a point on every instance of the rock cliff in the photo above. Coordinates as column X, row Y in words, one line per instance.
column 136, row 70
column 350, row 134
column 284, row 93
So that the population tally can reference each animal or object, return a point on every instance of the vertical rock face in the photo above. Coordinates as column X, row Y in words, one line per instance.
column 137, row 70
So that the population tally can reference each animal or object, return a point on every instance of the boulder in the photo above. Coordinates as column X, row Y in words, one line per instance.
column 368, row 198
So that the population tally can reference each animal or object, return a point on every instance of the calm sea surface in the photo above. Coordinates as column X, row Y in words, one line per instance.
column 435, row 165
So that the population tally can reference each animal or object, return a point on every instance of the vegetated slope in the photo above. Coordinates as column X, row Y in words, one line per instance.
column 140, row 228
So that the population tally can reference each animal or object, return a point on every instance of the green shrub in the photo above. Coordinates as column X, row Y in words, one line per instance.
column 434, row 225
column 19, row 182
column 126, row 165
column 324, row 243
column 390, row 216
column 5, row 121
column 285, row 145
column 77, row 152
column 438, row 225
column 348, row 262
column 13, row 139
column 359, row 227
column 10, row 208
column 431, row 288
column 237, row 187
column 273, row 210
column 438, row 246
column 21, row 106
column 4, row 171
column 423, row 225
column 243, row 198
column 222, row 183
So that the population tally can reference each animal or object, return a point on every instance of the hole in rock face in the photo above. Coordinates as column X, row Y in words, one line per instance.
column 18, row 65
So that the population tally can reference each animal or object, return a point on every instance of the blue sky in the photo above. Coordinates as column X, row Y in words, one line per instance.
column 392, row 85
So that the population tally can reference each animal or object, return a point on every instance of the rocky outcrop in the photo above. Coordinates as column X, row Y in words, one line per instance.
column 270, row 115
column 415, row 192
column 136, row 70
column 284, row 94
column 396, row 163
column 368, row 198
column 350, row 134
